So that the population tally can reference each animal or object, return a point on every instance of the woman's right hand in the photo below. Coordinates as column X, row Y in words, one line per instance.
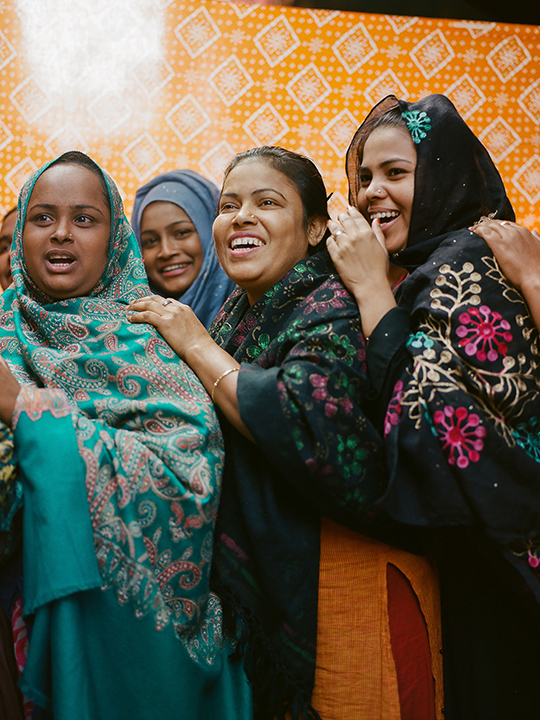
column 358, row 251
column 176, row 322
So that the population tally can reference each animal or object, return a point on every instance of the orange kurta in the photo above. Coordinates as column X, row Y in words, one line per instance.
column 355, row 677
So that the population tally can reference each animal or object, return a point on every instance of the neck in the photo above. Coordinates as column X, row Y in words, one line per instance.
column 395, row 274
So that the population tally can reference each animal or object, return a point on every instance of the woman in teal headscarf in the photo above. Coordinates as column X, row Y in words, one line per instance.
column 119, row 468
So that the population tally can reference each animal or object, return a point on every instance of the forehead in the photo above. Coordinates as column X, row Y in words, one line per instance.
column 385, row 143
column 8, row 226
column 256, row 174
column 68, row 185
column 163, row 212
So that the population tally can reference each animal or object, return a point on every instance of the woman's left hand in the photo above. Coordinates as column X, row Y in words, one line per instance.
column 176, row 322
column 10, row 391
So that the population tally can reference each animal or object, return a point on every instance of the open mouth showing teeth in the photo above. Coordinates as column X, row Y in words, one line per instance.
column 384, row 217
column 60, row 260
column 246, row 242
column 173, row 268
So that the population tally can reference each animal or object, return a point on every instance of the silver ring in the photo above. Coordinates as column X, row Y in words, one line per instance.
column 166, row 302
column 504, row 223
column 338, row 232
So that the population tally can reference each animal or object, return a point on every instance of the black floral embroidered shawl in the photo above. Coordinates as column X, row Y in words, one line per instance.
column 301, row 390
column 462, row 427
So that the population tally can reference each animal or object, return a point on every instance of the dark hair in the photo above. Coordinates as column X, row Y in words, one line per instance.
column 301, row 171
column 75, row 157
column 392, row 118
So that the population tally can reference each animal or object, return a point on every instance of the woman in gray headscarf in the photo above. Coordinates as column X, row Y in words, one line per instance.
column 172, row 220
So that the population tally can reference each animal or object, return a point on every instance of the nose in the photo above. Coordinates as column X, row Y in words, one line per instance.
column 375, row 189
column 244, row 215
column 61, row 231
column 167, row 247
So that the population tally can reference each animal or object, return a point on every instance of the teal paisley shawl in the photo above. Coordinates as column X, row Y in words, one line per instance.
column 302, row 389
column 150, row 452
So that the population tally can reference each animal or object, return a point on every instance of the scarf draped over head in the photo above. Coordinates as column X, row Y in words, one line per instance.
column 198, row 197
column 111, row 416
column 456, row 182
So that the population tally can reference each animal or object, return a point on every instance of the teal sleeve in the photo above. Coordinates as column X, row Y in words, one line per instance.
column 59, row 556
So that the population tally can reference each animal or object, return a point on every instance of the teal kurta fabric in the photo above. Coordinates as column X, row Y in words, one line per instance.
column 121, row 461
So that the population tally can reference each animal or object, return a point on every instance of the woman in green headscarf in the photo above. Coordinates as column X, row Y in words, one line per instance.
column 119, row 467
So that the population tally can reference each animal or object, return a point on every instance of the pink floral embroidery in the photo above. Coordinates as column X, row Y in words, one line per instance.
column 394, row 408
column 484, row 333
column 462, row 435
column 321, row 394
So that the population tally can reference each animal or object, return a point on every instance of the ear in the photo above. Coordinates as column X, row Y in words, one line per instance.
column 316, row 230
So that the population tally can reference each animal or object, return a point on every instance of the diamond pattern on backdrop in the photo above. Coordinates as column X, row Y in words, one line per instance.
column 225, row 77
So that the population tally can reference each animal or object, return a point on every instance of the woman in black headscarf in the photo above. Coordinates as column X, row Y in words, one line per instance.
column 453, row 357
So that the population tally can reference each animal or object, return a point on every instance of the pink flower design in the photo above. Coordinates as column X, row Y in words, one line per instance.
column 484, row 333
column 462, row 435
column 327, row 296
column 394, row 408
column 321, row 394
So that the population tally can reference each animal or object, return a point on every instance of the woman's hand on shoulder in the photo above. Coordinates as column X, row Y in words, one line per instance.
column 516, row 249
column 10, row 392
column 175, row 321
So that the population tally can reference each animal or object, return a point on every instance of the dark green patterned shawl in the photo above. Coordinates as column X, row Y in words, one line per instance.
column 301, row 390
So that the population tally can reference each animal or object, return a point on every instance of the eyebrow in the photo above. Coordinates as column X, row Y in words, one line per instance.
column 389, row 162
column 51, row 206
column 255, row 192
column 170, row 225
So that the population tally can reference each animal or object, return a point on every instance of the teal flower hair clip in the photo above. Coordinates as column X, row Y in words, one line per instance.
column 418, row 123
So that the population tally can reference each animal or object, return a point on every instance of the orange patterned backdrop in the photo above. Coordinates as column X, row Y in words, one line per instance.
column 160, row 84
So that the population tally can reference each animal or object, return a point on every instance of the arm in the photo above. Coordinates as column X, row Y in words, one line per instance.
column 190, row 340
column 359, row 253
column 517, row 250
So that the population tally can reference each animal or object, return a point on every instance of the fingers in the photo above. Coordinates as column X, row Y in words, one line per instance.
column 376, row 225
column 144, row 316
column 147, row 303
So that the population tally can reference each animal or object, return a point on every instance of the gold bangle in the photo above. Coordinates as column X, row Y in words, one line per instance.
column 220, row 378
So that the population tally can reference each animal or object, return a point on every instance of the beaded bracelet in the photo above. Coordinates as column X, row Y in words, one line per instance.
column 220, row 378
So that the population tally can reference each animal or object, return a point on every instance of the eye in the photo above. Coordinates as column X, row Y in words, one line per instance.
column 183, row 232
column 41, row 218
column 84, row 219
column 395, row 171
column 227, row 207
column 364, row 179
column 268, row 202
column 148, row 242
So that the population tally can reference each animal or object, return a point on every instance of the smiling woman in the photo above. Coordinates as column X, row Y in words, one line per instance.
column 453, row 358
column 172, row 219
column 119, row 465
column 284, row 362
